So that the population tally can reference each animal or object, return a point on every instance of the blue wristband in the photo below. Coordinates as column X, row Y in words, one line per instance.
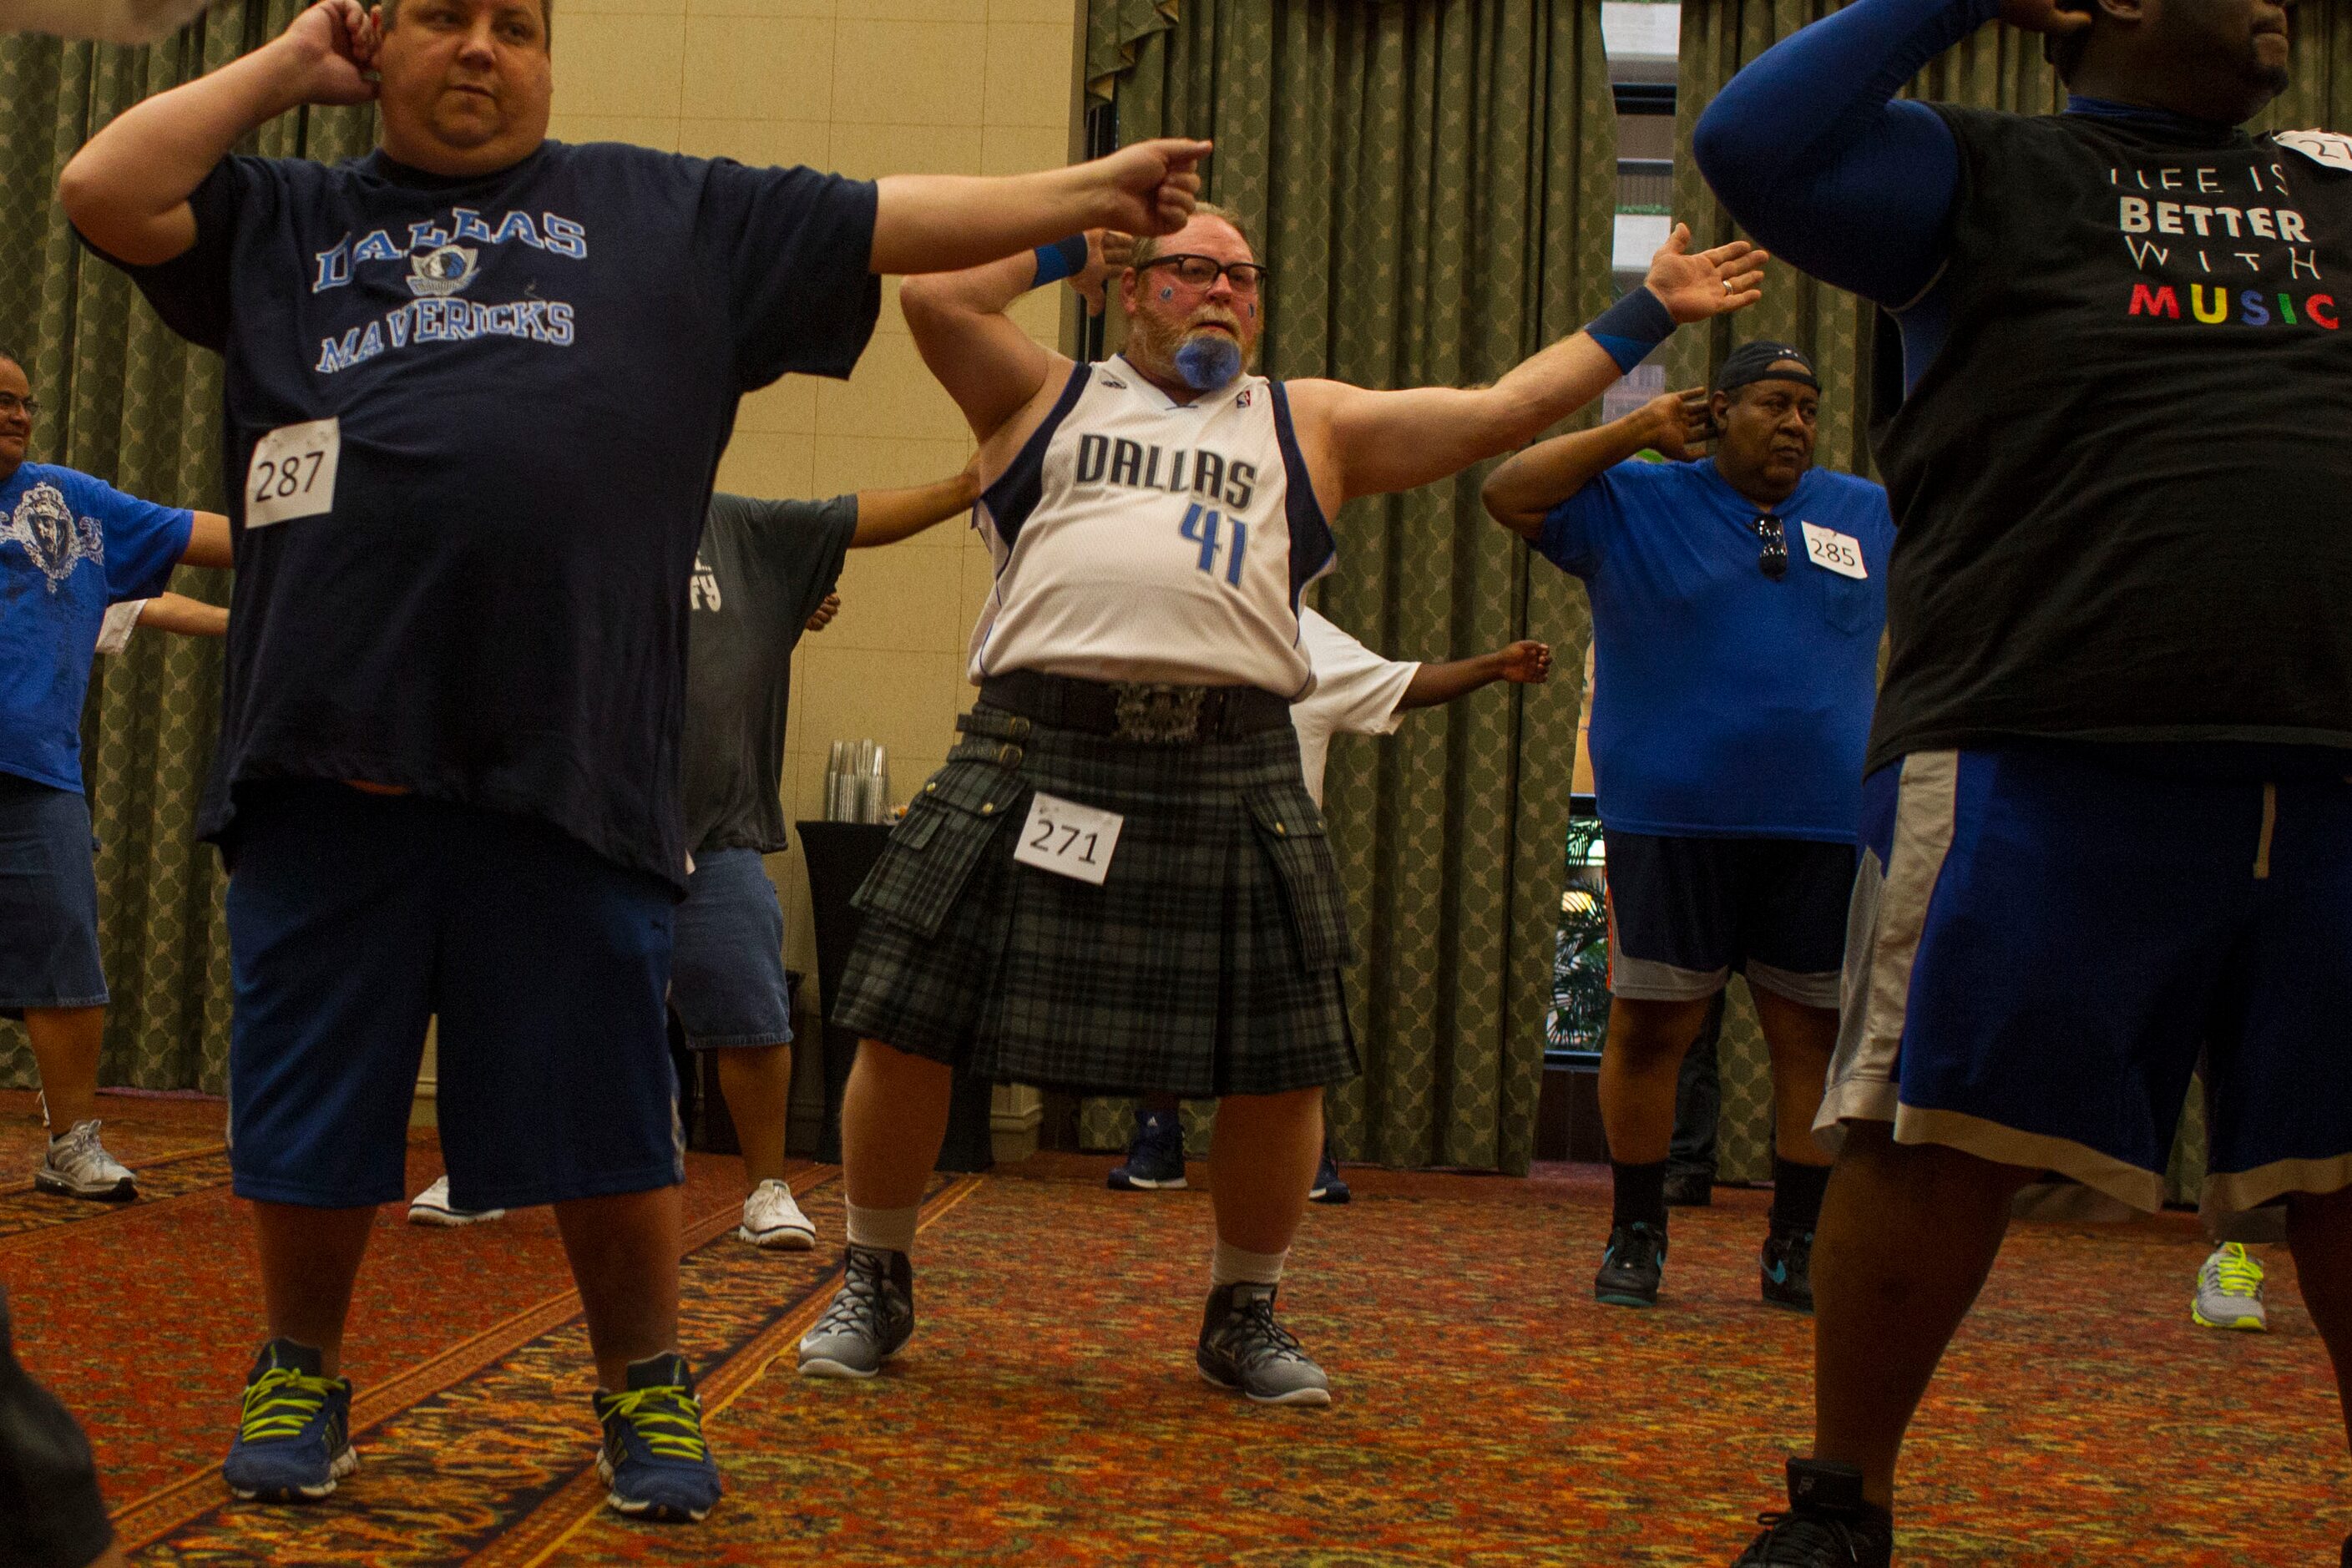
column 1063, row 258
column 1631, row 327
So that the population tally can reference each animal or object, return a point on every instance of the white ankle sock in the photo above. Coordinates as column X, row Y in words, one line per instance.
column 1230, row 1265
column 886, row 1230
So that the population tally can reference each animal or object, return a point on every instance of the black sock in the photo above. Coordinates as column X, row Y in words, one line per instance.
column 1797, row 1195
column 1640, row 1195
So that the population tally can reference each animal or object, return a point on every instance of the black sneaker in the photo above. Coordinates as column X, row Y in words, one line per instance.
column 870, row 1321
column 1330, row 1187
column 1689, row 1190
column 1788, row 1273
column 1632, row 1268
column 1243, row 1348
column 1828, row 1524
column 1155, row 1160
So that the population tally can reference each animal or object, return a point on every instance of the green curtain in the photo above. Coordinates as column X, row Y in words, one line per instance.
column 1432, row 183
column 1996, row 68
column 128, row 401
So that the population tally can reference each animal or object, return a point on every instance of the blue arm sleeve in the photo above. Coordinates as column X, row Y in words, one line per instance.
column 1812, row 154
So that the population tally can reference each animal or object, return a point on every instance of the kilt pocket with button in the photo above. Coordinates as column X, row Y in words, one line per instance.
column 1290, row 830
column 931, row 853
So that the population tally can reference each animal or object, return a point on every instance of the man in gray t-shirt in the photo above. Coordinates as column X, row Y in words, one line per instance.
column 765, row 571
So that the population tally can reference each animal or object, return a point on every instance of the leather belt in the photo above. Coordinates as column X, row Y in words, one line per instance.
column 1137, row 710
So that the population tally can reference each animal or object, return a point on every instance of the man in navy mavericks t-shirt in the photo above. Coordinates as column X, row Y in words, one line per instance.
column 1737, row 606
column 478, row 384
column 70, row 547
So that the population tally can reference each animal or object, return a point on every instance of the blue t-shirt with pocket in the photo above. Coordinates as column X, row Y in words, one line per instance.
column 1726, row 704
column 473, row 582
column 70, row 546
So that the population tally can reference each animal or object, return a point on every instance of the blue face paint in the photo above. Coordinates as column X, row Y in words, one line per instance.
column 1208, row 361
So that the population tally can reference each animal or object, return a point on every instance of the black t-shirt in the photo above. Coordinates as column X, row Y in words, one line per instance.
column 2124, row 487
column 764, row 568
column 534, row 372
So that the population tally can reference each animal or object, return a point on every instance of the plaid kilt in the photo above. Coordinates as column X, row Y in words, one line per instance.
column 1206, row 964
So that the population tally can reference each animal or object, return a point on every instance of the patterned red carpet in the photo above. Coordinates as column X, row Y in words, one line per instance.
column 1489, row 1412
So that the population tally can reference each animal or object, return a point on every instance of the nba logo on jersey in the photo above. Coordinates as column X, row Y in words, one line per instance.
column 1244, row 400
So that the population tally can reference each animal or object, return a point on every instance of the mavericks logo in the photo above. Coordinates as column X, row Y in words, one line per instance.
column 442, row 271
column 45, row 526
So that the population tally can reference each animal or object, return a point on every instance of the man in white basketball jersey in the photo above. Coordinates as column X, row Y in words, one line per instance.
column 1118, row 882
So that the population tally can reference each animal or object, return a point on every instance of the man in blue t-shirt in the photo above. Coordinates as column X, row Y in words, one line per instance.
column 70, row 546
column 1737, row 606
column 477, row 385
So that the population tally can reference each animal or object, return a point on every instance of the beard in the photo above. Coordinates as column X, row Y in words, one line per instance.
column 1200, row 357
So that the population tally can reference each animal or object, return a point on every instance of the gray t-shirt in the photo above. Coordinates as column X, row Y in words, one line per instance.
column 762, row 568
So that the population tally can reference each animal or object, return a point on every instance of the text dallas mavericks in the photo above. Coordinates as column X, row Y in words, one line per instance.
column 441, row 266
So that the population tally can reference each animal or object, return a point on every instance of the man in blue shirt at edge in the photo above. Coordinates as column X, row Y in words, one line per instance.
column 1737, row 606
column 510, row 849
column 2111, row 741
column 70, row 546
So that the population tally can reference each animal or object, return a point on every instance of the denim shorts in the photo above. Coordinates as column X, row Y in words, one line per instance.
column 727, row 978
column 48, row 900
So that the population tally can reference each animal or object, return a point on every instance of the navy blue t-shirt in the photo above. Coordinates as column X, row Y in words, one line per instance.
column 70, row 546
column 1726, row 704
column 534, row 373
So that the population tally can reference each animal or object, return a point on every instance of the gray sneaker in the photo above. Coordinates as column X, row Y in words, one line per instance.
column 78, row 1166
column 2230, row 1291
column 870, row 1321
column 1243, row 1348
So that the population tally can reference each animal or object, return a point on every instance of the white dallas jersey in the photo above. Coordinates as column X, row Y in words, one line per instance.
column 1140, row 538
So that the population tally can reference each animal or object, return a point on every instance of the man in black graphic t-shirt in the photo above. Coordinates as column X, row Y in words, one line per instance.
column 477, row 385
column 2109, row 820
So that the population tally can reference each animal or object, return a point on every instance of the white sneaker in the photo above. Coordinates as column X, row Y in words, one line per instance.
column 432, row 1206
column 78, row 1166
column 771, row 1218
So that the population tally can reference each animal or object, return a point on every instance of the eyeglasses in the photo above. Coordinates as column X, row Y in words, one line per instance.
column 1202, row 271
column 1772, row 560
column 12, row 404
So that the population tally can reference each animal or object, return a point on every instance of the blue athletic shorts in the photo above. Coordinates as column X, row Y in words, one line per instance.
column 2043, row 940
column 1683, row 912
column 727, row 980
column 48, row 900
column 353, row 918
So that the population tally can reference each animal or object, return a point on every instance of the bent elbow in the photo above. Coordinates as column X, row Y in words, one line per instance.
column 1734, row 159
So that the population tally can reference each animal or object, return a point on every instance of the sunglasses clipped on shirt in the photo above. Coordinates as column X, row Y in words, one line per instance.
column 1773, row 558
column 1202, row 271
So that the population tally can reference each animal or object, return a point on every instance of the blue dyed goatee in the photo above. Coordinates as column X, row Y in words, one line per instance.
column 1207, row 360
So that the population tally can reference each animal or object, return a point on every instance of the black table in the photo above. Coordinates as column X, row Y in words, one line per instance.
column 839, row 855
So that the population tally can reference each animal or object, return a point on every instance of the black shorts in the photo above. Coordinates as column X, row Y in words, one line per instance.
column 1685, row 913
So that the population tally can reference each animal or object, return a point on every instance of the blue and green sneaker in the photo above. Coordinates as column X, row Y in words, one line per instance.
column 294, row 1439
column 653, row 1458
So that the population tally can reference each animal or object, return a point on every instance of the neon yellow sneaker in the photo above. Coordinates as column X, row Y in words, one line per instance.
column 2230, row 1291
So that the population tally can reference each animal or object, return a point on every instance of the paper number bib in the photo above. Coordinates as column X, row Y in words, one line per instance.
column 293, row 472
column 1069, row 839
column 1834, row 551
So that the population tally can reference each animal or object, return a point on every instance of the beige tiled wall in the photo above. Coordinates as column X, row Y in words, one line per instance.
column 864, row 87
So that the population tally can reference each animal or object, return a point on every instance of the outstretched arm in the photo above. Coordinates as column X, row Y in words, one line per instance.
column 1522, row 664
column 1359, row 442
column 886, row 517
column 1521, row 492
column 1813, row 153
column 188, row 617
column 208, row 542
column 127, row 190
column 944, row 222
